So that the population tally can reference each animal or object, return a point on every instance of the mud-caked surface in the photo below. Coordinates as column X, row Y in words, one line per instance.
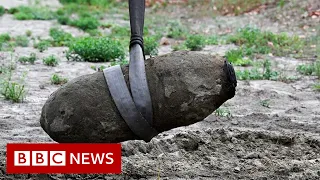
column 191, row 84
column 272, row 131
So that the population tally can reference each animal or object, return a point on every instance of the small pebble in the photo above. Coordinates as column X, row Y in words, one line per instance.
column 236, row 169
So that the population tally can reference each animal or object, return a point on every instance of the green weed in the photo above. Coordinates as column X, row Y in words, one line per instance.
column 281, row 3
column 2, row 10
column 255, row 74
column 265, row 42
column 28, row 33
column 306, row 69
column 222, row 112
column 60, row 38
column 287, row 79
column 86, row 23
column 92, row 49
column 120, row 31
column 267, row 72
column 36, row 13
column 13, row 91
column 119, row 62
column 28, row 59
column 6, row 69
column 42, row 45
column 22, row 41
column 176, row 30
column 5, row 37
column 236, row 57
column 94, row 32
column 179, row 47
column 4, row 41
column 212, row 40
column 265, row 103
column 51, row 61
column 56, row 79
column 121, row 34
column 88, row 15
column 13, row 10
column 310, row 69
column 316, row 87
column 100, row 68
column 151, row 45
column 95, row 3
column 195, row 42
column 64, row 20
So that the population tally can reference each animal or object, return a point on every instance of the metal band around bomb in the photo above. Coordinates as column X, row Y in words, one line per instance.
column 127, row 108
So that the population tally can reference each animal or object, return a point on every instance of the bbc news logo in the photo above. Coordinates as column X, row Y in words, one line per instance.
column 63, row 158
column 39, row 158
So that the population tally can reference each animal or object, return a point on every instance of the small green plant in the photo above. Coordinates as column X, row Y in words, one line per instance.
column 316, row 87
column 151, row 45
column 5, row 37
column 288, row 79
column 100, row 68
column 42, row 45
column 255, row 74
column 281, row 3
column 212, row 40
column 56, row 79
column 28, row 33
column 94, row 32
column 22, row 41
column 317, row 68
column 9, row 89
column 2, row 10
column 120, row 31
column 120, row 62
column 252, row 74
column 4, row 41
column 13, row 10
column 195, row 42
column 179, row 47
column 51, row 61
column 28, row 13
column 13, row 91
column 60, row 38
column 86, row 23
column 264, row 42
column 94, row 3
column 28, row 59
column 267, row 72
column 176, row 30
column 93, row 49
column 236, row 57
column 7, row 68
column 265, row 103
column 305, row 69
column 64, row 20
column 310, row 69
column 222, row 112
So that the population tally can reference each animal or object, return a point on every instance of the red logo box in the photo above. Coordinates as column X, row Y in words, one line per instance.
column 63, row 158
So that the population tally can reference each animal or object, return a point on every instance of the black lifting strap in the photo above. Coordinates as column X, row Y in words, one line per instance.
column 135, row 110
column 122, row 98
column 137, row 74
